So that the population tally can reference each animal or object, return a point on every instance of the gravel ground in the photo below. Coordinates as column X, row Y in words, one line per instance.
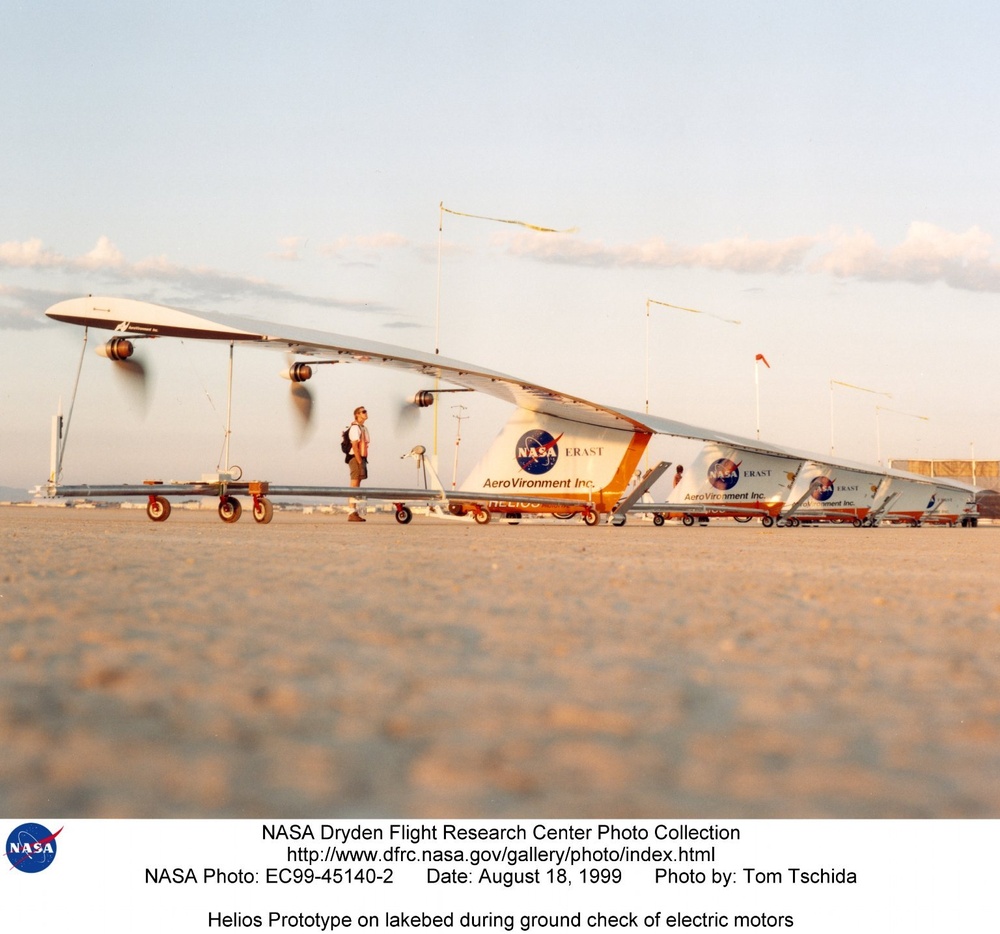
column 317, row 668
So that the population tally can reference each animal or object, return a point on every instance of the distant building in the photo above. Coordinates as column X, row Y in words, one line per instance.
column 982, row 474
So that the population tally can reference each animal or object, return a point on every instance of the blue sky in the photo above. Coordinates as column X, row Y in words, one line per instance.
column 823, row 173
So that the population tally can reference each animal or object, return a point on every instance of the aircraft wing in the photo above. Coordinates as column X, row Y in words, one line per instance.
column 129, row 316
column 132, row 317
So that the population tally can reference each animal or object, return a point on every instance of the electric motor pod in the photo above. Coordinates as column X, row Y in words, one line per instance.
column 300, row 372
column 118, row 348
column 423, row 399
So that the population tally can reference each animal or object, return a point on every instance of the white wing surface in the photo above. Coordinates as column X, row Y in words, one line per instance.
column 129, row 316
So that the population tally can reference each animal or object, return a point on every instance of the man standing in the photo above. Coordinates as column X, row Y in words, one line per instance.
column 358, row 435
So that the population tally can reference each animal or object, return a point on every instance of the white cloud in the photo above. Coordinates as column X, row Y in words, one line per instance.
column 28, row 254
column 965, row 260
column 200, row 283
column 927, row 254
column 291, row 249
column 752, row 256
column 104, row 255
column 740, row 254
column 366, row 244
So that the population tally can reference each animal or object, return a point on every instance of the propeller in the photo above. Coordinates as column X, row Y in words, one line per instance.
column 298, row 372
column 302, row 403
column 407, row 414
column 132, row 372
column 408, row 410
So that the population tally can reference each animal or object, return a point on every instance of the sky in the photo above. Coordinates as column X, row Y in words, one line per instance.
column 824, row 174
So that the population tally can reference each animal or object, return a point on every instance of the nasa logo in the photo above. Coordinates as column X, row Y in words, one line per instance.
column 822, row 489
column 724, row 474
column 537, row 451
column 31, row 847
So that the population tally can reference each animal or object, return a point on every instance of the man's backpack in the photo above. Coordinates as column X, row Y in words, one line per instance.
column 345, row 444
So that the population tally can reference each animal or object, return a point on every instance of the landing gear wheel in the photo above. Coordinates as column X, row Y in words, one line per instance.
column 856, row 522
column 658, row 518
column 482, row 516
column 687, row 520
column 591, row 518
column 262, row 510
column 404, row 514
column 158, row 509
column 230, row 509
column 767, row 521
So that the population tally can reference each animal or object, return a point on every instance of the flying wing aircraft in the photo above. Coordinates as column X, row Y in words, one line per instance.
column 558, row 454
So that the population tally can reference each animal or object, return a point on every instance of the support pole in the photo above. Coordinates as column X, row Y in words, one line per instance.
column 229, row 409
column 57, row 422
column 57, row 475
column 756, row 382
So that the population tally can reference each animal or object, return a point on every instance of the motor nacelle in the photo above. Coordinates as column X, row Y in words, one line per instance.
column 118, row 348
column 423, row 399
column 298, row 372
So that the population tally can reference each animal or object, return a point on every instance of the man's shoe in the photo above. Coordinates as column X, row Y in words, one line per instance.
column 354, row 517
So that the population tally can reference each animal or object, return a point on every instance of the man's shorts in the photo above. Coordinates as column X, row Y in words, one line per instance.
column 359, row 468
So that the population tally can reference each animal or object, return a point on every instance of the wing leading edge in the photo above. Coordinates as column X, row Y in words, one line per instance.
column 128, row 316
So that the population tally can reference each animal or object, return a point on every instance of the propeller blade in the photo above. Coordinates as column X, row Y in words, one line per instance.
column 407, row 414
column 302, row 401
column 133, row 375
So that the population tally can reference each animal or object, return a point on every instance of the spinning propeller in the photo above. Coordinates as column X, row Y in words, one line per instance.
column 298, row 373
column 133, row 372
column 408, row 409
column 302, row 397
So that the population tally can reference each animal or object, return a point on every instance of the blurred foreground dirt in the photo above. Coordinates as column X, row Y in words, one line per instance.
column 315, row 668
